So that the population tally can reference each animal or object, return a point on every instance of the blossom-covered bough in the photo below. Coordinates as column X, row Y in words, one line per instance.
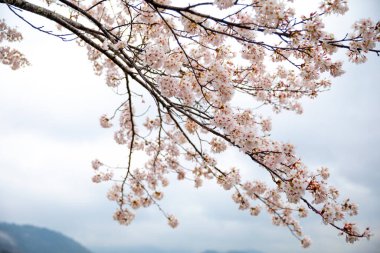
column 196, row 61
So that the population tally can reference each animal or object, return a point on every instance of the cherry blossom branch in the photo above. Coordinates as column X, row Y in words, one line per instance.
column 192, row 64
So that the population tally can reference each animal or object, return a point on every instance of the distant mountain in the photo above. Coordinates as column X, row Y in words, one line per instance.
column 156, row 250
column 29, row 239
column 138, row 249
column 143, row 249
column 233, row 251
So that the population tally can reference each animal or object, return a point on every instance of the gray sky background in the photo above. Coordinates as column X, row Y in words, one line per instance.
column 49, row 134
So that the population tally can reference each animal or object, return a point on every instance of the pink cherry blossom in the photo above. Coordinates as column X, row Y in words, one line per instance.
column 209, row 71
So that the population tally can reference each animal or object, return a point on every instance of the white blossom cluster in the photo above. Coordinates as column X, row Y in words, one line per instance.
column 10, row 56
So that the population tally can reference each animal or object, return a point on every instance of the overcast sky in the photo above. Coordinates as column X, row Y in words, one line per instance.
column 49, row 134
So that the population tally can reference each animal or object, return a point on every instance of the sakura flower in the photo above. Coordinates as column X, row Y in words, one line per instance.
column 266, row 125
column 96, row 164
column 324, row 173
column 306, row 242
column 105, row 121
column 158, row 195
column 334, row 6
column 97, row 178
column 255, row 210
column 124, row 217
column 224, row 4
column 172, row 221
column 302, row 212
column 217, row 145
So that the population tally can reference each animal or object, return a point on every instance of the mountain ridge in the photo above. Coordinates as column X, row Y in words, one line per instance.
column 31, row 239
